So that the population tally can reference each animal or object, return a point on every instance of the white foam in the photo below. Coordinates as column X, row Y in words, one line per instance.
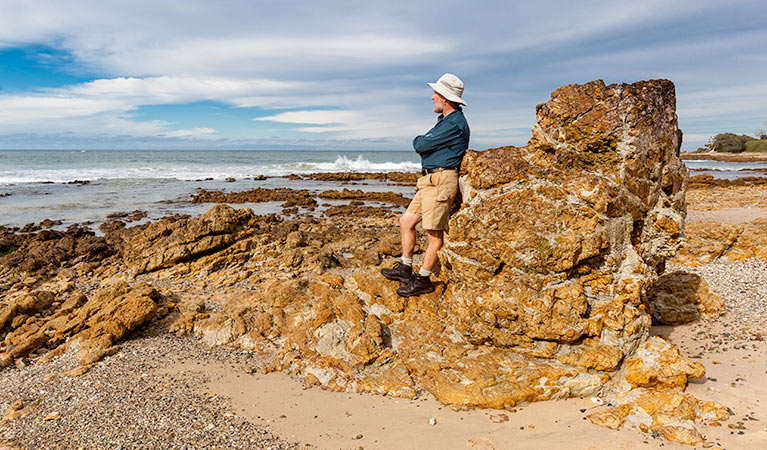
column 189, row 172
column 728, row 166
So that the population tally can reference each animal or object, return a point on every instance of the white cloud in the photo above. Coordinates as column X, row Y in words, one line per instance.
column 317, row 117
column 26, row 109
column 725, row 100
column 194, row 132
column 319, row 129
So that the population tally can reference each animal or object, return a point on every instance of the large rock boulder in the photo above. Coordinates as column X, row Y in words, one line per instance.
column 680, row 297
column 555, row 244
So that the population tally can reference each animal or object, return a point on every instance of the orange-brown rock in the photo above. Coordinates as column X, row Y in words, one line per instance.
column 93, row 325
column 291, row 197
column 656, row 363
column 350, row 194
column 161, row 245
column 670, row 413
column 681, row 297
column 296, row 197
column 557, row 248
column 707, row 180
column 710, row 240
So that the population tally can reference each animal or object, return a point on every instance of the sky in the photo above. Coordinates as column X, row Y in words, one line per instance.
column 350, row 75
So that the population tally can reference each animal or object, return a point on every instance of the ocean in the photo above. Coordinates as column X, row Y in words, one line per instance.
column 34, row 183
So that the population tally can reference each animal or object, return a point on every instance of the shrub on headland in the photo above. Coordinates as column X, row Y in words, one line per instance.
column 757, row 145
column 737, row 143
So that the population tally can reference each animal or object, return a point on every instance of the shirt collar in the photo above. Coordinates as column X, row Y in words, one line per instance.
column 442, row 116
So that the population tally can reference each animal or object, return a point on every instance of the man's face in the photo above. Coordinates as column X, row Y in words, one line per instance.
column 439, row 102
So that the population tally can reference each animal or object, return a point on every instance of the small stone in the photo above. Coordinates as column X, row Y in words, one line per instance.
column 432, row 421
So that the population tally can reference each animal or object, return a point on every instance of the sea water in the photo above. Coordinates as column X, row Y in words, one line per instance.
column 163, row 182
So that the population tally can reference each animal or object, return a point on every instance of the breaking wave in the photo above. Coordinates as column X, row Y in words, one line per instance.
column 168, row 170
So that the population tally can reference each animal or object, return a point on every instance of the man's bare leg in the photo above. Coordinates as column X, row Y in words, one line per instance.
column 420, row 282
column 407, row 223
column 435, row 243
column 403, row 270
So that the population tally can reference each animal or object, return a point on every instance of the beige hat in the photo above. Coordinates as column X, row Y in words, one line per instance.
column 450, row 87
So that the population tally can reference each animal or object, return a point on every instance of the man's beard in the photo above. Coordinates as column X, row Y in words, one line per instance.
column 438, row 108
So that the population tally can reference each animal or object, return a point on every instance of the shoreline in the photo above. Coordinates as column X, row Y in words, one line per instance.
column 726, row 157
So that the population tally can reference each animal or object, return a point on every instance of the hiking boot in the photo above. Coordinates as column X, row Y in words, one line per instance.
column 416, row 286
column 400, row 272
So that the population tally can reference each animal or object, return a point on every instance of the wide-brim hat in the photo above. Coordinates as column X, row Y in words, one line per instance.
column 450, row 87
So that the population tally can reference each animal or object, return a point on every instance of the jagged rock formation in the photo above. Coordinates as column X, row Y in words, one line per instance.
column 91, row 326
column 548, row 260
column 542, row 293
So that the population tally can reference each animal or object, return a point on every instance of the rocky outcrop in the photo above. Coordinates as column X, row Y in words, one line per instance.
column 710, row 240
column 297, row 197
column 51, row 321
column 42, row 252
column 670, row 414
column 163, row 245
column 680, row 297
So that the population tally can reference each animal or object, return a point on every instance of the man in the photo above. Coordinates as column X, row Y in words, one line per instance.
column 441, row 150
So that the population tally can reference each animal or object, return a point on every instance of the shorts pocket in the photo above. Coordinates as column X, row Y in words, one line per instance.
column 447, row 188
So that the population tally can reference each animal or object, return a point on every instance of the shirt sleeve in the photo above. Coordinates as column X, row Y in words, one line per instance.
column 437, row 137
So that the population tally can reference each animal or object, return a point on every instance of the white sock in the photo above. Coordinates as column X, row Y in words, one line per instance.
column 424, row 273
column 407, row 261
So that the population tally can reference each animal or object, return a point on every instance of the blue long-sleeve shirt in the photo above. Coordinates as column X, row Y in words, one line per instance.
column 445, row 144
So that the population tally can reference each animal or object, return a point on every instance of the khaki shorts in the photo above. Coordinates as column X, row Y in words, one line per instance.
column 434, row 194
